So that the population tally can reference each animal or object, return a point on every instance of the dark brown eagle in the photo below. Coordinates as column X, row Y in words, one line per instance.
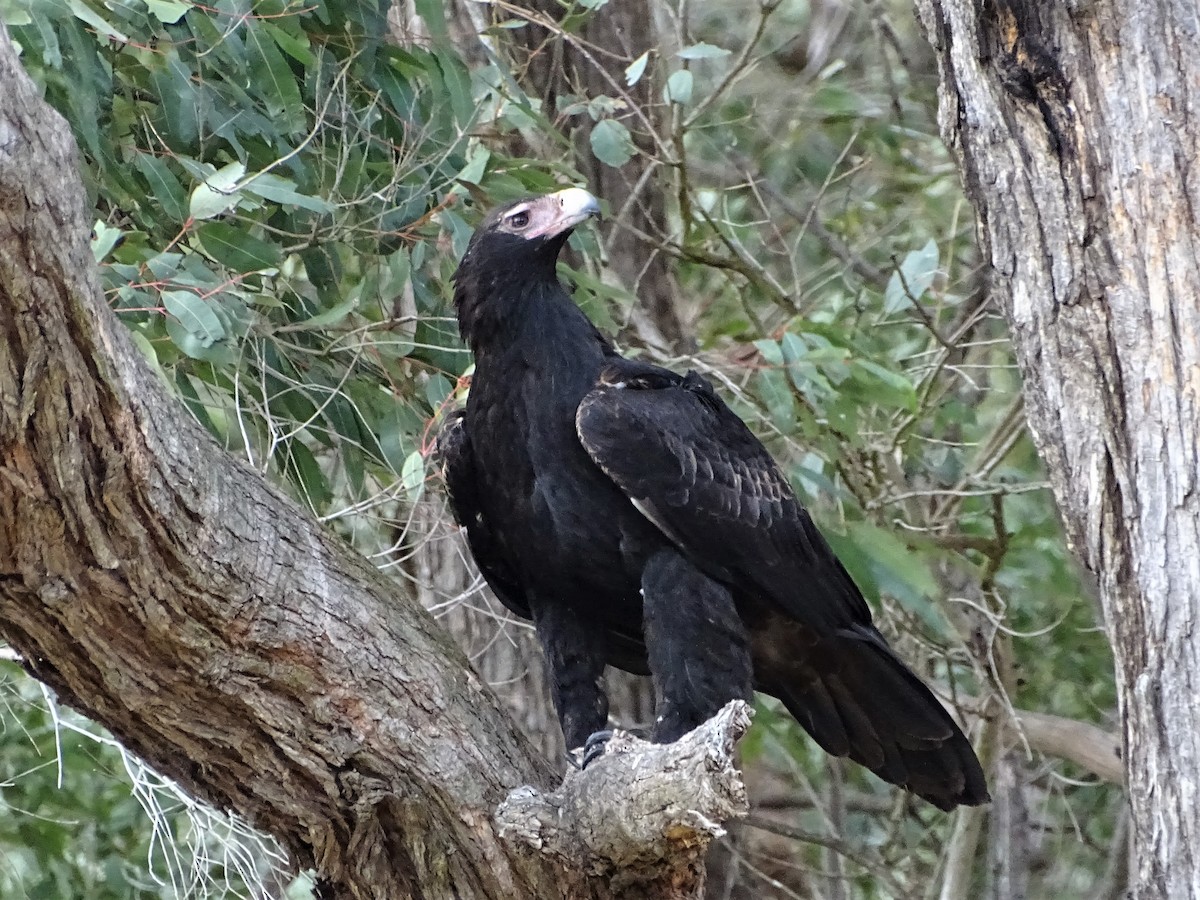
column 639, row 523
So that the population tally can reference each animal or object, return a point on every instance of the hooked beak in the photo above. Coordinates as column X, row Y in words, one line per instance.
column 575, row 205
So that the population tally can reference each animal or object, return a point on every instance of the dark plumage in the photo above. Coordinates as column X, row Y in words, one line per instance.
column 635, row 518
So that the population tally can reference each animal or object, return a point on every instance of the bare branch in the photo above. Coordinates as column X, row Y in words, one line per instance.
column 862, row 856
column 1082, row 743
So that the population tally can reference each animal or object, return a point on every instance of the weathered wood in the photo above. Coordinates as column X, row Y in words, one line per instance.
column 1075, row 124
column 167, row 591
column 669, row 803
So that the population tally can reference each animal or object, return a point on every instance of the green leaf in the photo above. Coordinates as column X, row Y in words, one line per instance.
column 195, row 315
column 180, row 99
column 15, row 13
column 335, row 314
column 217, row 193
column 601, row 107
column 592, row 4
column 472, row 172
column 806, row 375
column 104, row 240
column 634, row 71
column 438, row 390
column 457, row 82
column 897, row 390
column 913, row 279
column 147, row 350
column 412, row 476
column 164, row 266
column 792, row 347
column 395, row 274
column 433, row 13
column 294, row 45
column 232, row 246
column 611, row 143
column 167, row 192
column 770, row 351
column 678, row 88
column 702, row 51
column 283, row 190
column 817, row 350
column 192, row 346
column 168, row 12
column 274, row 82
column 777, row 395
column 893, row 568
column 809, row 475
column 85, row 13
column 395, row 434
column 305, row 472
column 323, row 266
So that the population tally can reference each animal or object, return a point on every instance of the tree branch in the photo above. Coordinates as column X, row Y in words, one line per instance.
column 1082, row 743
column 639, row 804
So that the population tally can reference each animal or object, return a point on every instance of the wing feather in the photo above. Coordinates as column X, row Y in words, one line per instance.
column 698, row 473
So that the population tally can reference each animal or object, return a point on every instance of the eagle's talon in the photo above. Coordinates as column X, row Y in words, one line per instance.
column 593, row 748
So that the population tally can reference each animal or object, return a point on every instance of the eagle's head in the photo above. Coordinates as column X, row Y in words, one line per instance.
column 530, row 231
column 514, row 250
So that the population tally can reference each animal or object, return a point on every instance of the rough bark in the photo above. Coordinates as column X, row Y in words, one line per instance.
column 1076, row 128
column 670, row 804
column 167, row 591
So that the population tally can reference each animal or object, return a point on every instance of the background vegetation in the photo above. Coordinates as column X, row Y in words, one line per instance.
column 281, row 193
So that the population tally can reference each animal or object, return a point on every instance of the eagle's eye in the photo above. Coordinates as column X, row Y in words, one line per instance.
column 519, row 219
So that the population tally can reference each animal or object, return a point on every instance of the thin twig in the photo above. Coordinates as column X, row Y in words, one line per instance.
column 867, row 859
